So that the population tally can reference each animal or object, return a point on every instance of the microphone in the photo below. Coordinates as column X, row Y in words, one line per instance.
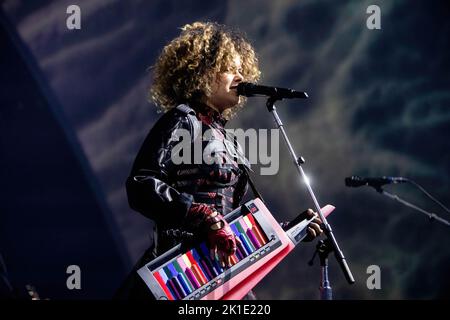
column 377, row 182
column 248, row 89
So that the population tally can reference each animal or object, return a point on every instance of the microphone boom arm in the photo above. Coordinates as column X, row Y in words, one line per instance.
column 431, row 216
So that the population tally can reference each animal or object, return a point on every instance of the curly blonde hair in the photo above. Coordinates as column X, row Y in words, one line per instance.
column 188, row 65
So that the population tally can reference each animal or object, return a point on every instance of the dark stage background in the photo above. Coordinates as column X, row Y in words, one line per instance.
column 73, row 113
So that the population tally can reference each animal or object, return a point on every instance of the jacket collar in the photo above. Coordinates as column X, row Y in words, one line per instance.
column 208, row 115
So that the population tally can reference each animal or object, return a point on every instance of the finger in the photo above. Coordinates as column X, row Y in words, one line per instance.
column 238, row 241
column 232, row 247
column 229, row 261
column 312, row 232
column 316, row 227
column 219, row 258
column 213, row 253
column 226, row 260
column 317, row 220
column 222, row 259
column 310, row 213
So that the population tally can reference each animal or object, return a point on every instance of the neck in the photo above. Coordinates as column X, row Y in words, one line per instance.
column 213, row 107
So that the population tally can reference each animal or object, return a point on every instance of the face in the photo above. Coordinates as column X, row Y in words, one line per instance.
column 224, row 89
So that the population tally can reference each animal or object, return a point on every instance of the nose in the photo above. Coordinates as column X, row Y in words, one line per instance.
column 238, row 77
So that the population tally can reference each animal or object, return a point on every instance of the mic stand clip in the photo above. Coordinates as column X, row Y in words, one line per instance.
column 323, row 248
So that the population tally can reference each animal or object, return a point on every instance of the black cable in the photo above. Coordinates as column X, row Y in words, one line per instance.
column 427, row 194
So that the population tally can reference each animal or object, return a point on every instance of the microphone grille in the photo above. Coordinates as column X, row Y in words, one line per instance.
column 348, row 181
column 353, row 181
column 243, row 88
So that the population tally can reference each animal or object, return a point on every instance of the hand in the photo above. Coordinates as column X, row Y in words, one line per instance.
column 221, row 239
column 314, row 229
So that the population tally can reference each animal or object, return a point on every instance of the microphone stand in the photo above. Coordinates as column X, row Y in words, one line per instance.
column 431, row 216
column 323, row 248
column 297, row 162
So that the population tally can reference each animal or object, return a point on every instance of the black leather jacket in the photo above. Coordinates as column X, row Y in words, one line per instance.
column 164, row 191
